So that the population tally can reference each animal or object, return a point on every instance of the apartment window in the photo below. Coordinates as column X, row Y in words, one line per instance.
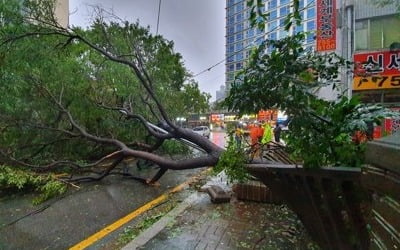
column 230, row 76
column 301, row 3
column 231, row 11
column 239, row 66
column 361, row 35
column 250, row 33
column 239, row 17
column 239, row 46
column 272, row 4
column 284, row 11
column 284, row 2
column 273, row 36
column 231, row 30
column 273, row 14
column 231, row 48
column 239, row 7
column 230, row 39
column 311, row 13
column 377, row 33
column 239, row 36
column 239, row 56
column 272, row 25
column 281, row 23
column 310, row 38
column 239, row 27
column 230, row 2
column 298, row 28
column 231, row 67
column 230, row 58
column 310, row 25
column 283, row 34
column 231, row 20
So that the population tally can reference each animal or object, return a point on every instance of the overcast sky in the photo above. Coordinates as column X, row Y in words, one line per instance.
column 197, row 28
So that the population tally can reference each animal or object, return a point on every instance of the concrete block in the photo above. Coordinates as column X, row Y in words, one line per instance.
column 218, row 195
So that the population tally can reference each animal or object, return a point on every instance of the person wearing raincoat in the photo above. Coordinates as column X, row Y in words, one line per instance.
column 268, row 133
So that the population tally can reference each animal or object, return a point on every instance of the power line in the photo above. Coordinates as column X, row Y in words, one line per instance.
column 248, row 46
column 158, row 15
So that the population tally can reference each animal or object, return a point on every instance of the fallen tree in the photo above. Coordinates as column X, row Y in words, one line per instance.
column 83, row 101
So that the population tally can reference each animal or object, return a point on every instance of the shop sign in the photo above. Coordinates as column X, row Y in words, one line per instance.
column 326, row 25
column 376, row 70
column 217, row 117
column 267, row 115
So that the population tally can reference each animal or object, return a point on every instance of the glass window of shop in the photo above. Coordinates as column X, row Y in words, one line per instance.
column 377, row 33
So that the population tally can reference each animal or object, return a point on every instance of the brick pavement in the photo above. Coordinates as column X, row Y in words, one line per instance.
column 235, row 225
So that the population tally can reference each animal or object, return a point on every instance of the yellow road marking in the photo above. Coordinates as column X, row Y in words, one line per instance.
column 117, row 224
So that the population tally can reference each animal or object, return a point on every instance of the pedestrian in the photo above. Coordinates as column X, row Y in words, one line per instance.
column 256, row 132
column 277, row 132
column 267, row 136
column 370, row 130
column 238, row 136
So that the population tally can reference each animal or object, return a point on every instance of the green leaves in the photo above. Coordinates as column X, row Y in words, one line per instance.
column 38, row 66
column 232, row 162
column 47, row 186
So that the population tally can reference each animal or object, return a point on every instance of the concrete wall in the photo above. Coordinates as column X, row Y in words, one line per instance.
column 62, row 12
column 365, row 9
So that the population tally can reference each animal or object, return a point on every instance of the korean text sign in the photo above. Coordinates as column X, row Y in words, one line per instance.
column 376, row 70
column 326, row 25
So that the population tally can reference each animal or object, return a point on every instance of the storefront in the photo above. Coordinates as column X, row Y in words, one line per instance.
column 377, row 80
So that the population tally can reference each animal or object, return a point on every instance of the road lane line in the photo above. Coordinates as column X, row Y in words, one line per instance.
column 117, row 224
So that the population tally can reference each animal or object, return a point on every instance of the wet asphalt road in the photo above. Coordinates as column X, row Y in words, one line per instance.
column 63, row 222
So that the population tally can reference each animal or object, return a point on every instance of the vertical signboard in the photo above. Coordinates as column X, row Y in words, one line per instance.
column 376, row 70
column 326, row 25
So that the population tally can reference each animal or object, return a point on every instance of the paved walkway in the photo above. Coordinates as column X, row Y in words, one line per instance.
column 199, row 224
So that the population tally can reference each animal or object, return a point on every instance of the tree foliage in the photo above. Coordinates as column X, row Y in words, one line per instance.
column 73, row 99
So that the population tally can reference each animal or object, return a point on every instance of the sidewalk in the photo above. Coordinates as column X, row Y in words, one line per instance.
column 199, row 224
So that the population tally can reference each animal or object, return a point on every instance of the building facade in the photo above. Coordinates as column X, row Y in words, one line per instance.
column 221, row 93
column 360, row 31
column 62, row 12
column 240, row 38
column 279, row 9
column 376, row 52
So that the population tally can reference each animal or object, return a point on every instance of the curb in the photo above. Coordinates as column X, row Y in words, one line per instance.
column 152, row 231
column 156, row 228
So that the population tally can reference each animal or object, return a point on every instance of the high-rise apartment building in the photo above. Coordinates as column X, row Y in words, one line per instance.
column 278, row 11
column 240, row 38
column 221, row 93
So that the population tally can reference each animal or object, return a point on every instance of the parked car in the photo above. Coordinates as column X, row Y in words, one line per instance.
column 202, row 130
